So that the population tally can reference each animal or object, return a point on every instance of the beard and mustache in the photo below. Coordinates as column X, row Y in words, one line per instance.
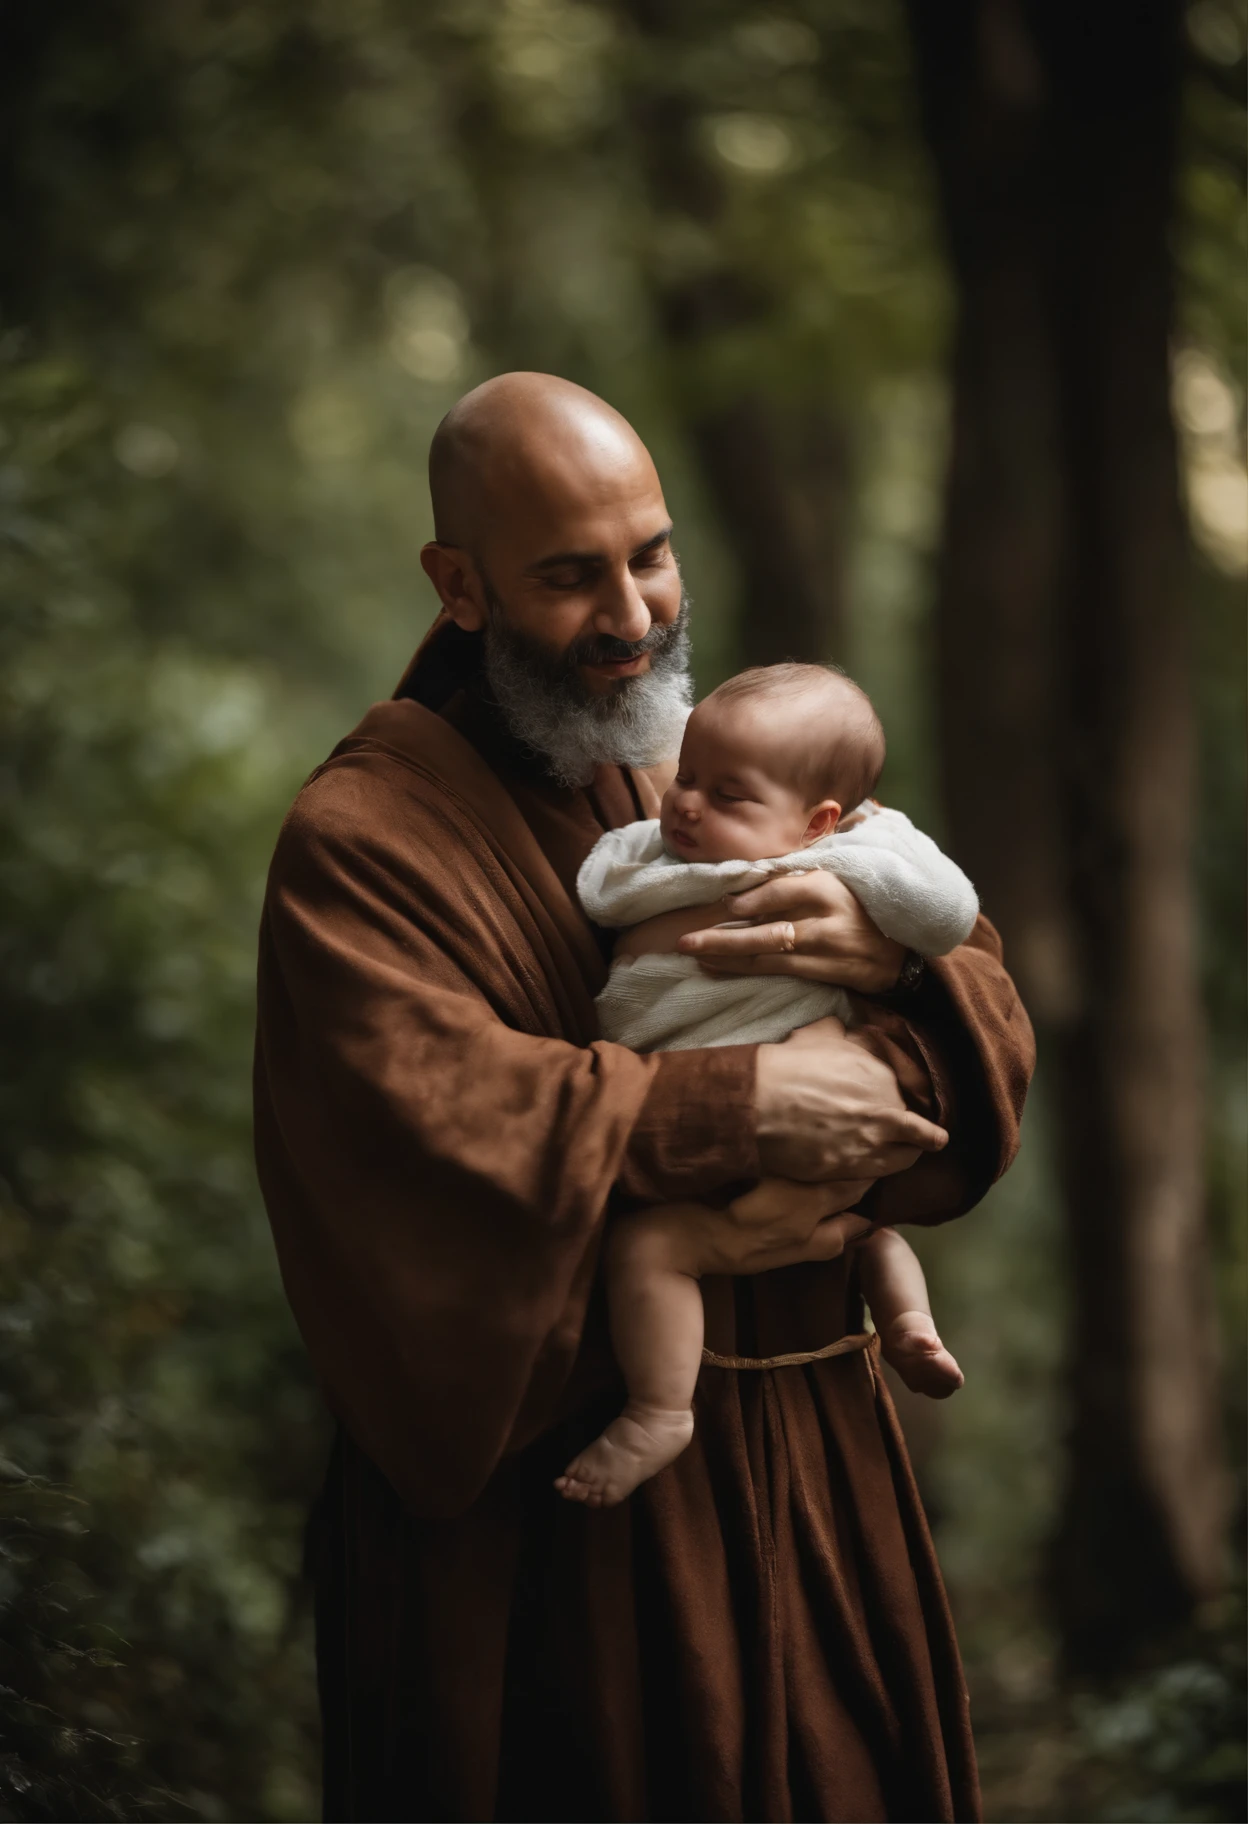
column 546, row 705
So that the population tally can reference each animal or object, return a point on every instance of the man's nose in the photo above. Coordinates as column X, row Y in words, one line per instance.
column 621, row 611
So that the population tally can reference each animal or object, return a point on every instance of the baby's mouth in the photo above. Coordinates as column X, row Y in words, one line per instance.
column 682, row 839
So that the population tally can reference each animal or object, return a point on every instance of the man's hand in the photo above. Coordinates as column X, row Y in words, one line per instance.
column 828, row 1109
column 777, row 1224
column 797, row 1222
column 809, row 925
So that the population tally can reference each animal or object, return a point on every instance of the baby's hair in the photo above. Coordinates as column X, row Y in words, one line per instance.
column 845, row 758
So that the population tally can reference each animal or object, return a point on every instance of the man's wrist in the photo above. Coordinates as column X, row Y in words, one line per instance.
column 910, row 978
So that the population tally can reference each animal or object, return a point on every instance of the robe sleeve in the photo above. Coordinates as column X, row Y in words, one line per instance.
column 435, row 1159
column 697, row 1129
column 963, row 1053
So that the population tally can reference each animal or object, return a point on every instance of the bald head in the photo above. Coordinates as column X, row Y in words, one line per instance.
column 528, row 444
column 554, row 541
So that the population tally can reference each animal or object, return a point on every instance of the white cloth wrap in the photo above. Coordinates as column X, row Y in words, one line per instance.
column 908, row 888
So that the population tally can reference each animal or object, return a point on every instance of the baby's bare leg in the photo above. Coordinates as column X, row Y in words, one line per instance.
column 894, row 1287
column 656, row 1329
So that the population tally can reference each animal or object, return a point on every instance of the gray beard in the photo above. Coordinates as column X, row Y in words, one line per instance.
column 545, row 704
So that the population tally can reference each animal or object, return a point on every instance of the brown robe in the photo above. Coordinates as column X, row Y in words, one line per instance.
column 761, row 1631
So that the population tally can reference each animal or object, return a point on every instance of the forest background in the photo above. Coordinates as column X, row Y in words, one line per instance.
column 934, row 321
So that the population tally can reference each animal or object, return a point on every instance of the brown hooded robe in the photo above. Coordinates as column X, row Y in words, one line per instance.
column 761, row 1631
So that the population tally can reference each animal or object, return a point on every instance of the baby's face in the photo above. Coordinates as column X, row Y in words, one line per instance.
column 728, row 801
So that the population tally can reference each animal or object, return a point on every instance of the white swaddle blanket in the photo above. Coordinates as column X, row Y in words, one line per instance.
column 910, row 890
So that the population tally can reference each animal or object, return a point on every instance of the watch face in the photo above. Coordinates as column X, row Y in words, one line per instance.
column 911, row 971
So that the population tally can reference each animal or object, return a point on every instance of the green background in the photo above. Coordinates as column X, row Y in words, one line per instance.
column 256, row 251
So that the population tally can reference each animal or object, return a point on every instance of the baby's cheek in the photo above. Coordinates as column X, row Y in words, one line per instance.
column 760, row 841
column 718, row 840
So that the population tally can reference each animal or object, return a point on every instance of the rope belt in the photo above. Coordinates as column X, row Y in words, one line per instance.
column 845, row 1345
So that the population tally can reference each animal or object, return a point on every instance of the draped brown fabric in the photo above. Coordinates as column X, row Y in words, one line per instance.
column 761, row 1631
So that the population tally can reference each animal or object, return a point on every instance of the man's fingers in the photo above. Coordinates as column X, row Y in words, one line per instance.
column 834, row 1234
column 744, row 941
column 915, row 1131
column 783, row 947
column 796, row 1205
column 791, row 963
column 781, row 895
column 820, row 1034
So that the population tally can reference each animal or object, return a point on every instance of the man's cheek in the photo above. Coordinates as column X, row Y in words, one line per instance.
column 663, row 602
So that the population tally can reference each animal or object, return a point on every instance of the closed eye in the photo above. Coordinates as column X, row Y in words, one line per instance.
column 567, row 579
column 727, row 798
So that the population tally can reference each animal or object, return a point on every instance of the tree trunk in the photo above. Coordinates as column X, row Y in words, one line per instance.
column 983, row 95
column 1142, row 1535
column 777, row 470
column 779, row 477
column 1067, row 737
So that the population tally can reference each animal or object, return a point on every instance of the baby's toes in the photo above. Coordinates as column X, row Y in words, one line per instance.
column 923, row 1346
column 926, row 1366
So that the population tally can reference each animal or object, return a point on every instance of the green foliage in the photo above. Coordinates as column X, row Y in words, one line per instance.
column 53, row 1764
column 1170, row 1745
column 1164, row 1746
column 148, row 1361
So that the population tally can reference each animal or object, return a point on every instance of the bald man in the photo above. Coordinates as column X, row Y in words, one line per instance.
column 442, row 1137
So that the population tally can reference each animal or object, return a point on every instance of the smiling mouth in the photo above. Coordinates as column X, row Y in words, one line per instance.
column 620, row 668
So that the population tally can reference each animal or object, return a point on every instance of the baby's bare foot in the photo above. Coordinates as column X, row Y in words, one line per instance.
column 911, row 1345
column 634, row 1447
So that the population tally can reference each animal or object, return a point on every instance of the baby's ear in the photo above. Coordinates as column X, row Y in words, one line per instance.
column 823, row 820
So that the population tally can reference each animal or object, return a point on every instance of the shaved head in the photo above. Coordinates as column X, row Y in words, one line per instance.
column 554, row 546
column 521, row 437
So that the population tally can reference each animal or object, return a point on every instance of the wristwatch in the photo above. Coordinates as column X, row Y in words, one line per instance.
column 913, row 969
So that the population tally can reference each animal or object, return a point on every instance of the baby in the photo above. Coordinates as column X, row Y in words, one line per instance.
column 768, row 764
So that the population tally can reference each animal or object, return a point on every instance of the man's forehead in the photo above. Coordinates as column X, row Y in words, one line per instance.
column 541, row 525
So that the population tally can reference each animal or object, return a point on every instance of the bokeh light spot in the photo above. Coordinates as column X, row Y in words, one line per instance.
column 753, row 142
column 429, row 328
column 147, row 450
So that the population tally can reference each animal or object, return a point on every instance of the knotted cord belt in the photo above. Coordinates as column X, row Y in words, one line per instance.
column 845, row 1345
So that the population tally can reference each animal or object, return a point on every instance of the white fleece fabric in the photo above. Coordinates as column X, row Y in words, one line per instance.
column 910, row 890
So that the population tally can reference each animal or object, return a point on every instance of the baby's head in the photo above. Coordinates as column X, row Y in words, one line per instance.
column 769, row 762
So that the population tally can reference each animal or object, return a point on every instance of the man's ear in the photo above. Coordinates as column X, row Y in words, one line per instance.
column 454, row 576
column 823, row 820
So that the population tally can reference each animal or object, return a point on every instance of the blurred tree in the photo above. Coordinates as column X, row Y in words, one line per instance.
column 1065, row 641
column 985, row 103
column 776, row 466
column 1142, row 1539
